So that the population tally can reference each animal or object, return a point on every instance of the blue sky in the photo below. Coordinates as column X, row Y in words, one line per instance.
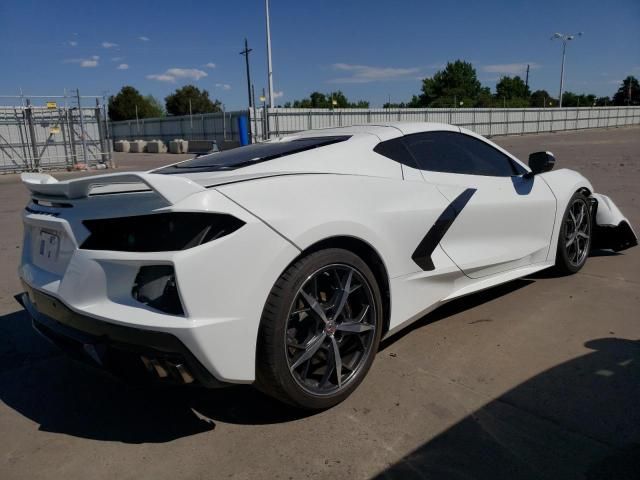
column 371, row 50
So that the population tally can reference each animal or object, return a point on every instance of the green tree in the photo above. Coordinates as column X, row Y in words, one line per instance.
column 394, row 105
column 178, row 102
column 512, row 88
column 485, row 99
column 458, row 82
column 124, row 104
column 155, row 107
column 541, row 98
column 628, row 93
column 570, row 99
column 603, row 101
column 335, row 99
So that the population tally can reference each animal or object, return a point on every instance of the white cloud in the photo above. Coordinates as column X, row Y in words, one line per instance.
column 90, row 62
column 224, row 86
column 279, row 94
column 210, row 65
column 109, row 44
column 173, row 74
column 367, row 74
column 510, row 68
column 116, row 59
column 122, row 66
column 73, row 43
column 143, row 38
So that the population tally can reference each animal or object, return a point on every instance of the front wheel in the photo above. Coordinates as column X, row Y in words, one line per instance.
column 574, row 241
column 320, row 330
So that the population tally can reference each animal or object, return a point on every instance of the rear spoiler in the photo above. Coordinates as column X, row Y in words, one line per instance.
column 171, row 188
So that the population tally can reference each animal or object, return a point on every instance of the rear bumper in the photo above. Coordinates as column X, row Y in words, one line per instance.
column 127, row 352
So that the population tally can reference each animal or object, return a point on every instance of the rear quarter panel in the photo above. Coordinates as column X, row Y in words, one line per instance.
column 391, row 215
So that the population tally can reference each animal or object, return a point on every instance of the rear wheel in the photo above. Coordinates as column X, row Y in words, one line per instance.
column 320, row 330
column 574, row 241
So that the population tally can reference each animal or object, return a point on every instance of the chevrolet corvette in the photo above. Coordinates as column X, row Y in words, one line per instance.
column 284, row 263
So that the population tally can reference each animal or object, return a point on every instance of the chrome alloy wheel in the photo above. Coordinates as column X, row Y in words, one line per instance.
column 330, row 329
column 577, row 232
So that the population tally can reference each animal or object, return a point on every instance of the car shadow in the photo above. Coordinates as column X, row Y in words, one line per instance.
column 457, row 306
column 577, row 420
column 65, row 396
column 553, row 273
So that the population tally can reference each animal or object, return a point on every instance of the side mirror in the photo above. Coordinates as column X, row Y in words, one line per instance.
column 540, row 162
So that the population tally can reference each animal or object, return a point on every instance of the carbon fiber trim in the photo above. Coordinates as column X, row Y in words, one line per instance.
column 422, row 253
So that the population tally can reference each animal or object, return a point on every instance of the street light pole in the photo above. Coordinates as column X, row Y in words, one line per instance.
column 269, row 66
column 565, row 38
column 564, row 50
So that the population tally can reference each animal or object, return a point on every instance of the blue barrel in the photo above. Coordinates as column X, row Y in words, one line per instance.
column 243, row 130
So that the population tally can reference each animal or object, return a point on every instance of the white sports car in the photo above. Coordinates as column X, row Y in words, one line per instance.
column 284, row 263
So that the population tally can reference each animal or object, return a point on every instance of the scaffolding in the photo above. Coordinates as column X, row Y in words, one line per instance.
column 58, row 132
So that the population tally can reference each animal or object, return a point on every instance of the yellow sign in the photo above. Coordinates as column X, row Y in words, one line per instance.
column 54, row 130
column 52, row 105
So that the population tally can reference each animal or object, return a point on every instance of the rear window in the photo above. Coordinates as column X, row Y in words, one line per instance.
column 249, row 155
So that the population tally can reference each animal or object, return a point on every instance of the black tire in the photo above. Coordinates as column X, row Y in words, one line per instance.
column 286, row 317
column 573, row 248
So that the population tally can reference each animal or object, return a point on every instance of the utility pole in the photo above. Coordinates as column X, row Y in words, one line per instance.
column 526, row 82
column 269, row 66
column 246, row 52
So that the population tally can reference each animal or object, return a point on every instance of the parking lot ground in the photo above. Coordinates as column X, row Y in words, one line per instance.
column 538, row 378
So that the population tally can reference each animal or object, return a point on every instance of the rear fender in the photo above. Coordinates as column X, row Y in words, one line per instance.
column 611, row 229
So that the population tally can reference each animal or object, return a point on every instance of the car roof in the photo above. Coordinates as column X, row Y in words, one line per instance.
column 384, row 131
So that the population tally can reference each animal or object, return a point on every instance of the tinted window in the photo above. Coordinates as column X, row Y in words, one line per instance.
column 249, row 155
column 395, row 149
column 458, row 153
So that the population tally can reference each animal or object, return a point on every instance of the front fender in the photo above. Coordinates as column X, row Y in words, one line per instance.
column 611, row 229
column 563, row 183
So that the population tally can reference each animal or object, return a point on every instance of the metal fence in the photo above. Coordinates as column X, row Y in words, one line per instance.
column 41, row 138
column 221, row 127
column 485, row 121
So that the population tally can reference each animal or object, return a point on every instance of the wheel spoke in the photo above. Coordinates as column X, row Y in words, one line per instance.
column 581, row 217
column 344, row 295
column 310, row 351
column 570, row 242
column 573, row 218
column 583, row 235
column 356, row 326
column 315, row 306
column 337, row 360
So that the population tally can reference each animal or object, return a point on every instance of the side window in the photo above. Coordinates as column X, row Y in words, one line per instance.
column 395, row 149
column 453, row 152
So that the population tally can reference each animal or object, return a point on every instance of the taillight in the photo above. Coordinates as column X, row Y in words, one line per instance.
column 159, row 232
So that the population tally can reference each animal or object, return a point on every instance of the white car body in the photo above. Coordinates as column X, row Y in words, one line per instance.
column 343, row 191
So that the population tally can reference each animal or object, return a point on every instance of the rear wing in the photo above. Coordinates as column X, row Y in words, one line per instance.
column 171, row 188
